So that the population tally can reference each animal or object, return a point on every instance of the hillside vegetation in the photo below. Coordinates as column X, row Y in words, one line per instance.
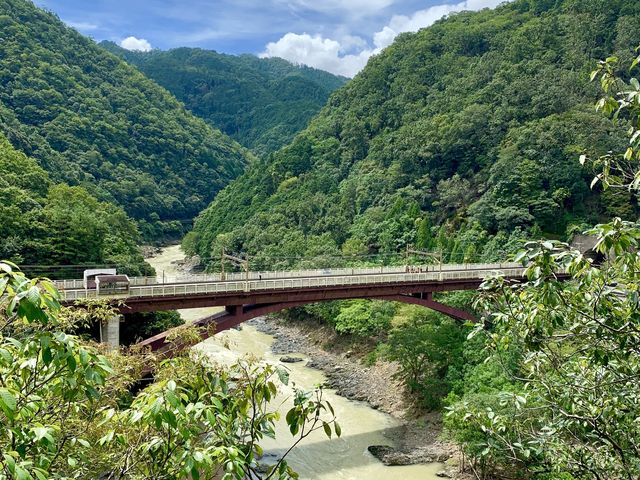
column 462, row 138
column 44, row 223
column 90, row 119
column 261, row 103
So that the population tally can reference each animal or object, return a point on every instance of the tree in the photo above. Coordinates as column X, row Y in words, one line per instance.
column 42, row 223
column 578, row 403
column 67, row 410
column 424, row 235
column 260, row 102
column 472, row 120
column 425, row 347
column 91, row 119
column 364, row 318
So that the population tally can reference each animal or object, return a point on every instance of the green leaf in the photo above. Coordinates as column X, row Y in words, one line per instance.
column 9, row 460
column 195, row 473
column 42, row 475
column 283, row 375
column 71, row 363
column 46, row 355
column 8, row 402
column 21, row 474
column 6, row 357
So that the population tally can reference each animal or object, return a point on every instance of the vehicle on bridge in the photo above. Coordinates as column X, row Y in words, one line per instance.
column 112, row 285
column 89, row 276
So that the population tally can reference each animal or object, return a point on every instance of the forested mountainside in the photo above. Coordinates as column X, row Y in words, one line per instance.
column 261, row 103
column 45, row 223
column 463, row 137
column 90, row 119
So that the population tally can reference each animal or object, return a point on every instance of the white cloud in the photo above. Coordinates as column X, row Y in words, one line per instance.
column 133, row 43
column 351, row 42
column 316, row 51
column 329, row 54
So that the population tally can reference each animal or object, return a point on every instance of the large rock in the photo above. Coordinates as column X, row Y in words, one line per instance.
column 389, row 455
column 289, row 359
column 379, row 451
column 392, row 456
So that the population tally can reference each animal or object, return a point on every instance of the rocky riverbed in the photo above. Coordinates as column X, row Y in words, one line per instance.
column 418, row 439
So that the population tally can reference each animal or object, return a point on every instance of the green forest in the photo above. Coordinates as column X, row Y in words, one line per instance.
column 489, row 136
column 461, row 138
column 464, row 140
column 91, row 120
column 48, row 223
column 260, row 103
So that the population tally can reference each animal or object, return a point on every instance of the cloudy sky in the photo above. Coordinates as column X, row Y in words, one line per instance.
column 334, row 35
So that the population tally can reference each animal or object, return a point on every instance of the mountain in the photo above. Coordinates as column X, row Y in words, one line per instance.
column 91, row 119
column 261, row 103
column 463, row 137
column 44, row 223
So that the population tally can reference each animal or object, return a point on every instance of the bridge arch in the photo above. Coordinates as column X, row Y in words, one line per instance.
column 234, row 315
column 252, row 294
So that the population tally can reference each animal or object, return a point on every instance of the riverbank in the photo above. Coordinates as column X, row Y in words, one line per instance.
column 333, row 361
column 418, row 438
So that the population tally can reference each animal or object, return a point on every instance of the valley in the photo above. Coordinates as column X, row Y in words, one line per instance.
column 350, row 459
column 429, row 270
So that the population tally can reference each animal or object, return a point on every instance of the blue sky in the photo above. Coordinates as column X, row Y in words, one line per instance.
column 335, row 35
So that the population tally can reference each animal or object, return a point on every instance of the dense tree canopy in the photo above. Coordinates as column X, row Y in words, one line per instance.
column 90, row 119
column 461, row 138
column 565, row 402
column 48, row 224
column 261, row 103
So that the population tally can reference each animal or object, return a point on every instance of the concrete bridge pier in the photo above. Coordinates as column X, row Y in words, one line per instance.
column 110, row 331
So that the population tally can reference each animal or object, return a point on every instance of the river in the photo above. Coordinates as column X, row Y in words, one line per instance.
column 317, row 457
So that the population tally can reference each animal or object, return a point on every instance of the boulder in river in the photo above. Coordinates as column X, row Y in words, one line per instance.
column 288, row 359
column 379, row 451
column 389, row 455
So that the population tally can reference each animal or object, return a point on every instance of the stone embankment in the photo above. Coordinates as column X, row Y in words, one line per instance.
column 416, row 441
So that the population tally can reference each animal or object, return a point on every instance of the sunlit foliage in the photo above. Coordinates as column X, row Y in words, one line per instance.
column 568, row 399
column 67, row 409
column 90, row 119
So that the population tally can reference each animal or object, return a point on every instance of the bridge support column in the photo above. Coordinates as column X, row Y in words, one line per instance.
column 110, row 332
column 234, row 310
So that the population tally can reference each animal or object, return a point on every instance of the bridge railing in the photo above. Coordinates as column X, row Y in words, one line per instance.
column 197, row 288
column 79, row 283
column 271, row 274
column 267, row 275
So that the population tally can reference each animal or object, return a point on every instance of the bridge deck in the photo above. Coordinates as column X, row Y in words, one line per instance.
column 198, row 285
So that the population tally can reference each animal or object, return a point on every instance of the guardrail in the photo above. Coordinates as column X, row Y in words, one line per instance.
column 198, row 288
column 268, row 275
column 79, row 283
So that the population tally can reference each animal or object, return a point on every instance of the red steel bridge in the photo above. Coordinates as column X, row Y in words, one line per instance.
column 252, row 294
